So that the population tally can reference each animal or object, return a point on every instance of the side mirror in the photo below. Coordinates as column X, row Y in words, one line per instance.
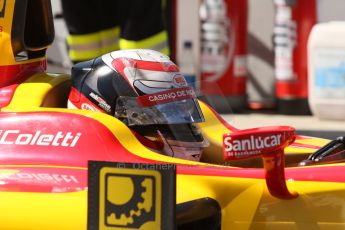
column 269, row 143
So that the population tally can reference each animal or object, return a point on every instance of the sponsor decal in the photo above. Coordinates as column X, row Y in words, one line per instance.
column 131, row 196
column 252, row 143
column 167, row 96
column 16, row 137
column 250, row 146
column 179, row 80
column 2, row 9
column 101, row 102
column 46, row 177
column 257, row 141
column 87, row 106
column 42, row 179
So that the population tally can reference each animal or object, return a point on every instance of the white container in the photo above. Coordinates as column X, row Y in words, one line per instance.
column 326, row 70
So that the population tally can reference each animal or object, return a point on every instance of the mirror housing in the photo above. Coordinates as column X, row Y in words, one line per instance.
column 269, row 143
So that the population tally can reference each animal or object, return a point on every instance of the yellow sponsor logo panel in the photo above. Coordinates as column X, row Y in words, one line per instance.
column 129, row 198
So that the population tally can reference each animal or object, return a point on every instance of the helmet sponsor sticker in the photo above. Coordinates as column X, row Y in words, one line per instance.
column 167, row 96
column 39, row 138
column 131, row 196
column 101, row 102
column 179, row 80
column 87, row 106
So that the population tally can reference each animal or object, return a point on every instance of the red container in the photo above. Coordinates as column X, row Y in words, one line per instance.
column 294, row 20
column 223, row 53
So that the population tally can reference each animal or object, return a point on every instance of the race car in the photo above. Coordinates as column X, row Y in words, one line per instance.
column 96, row 167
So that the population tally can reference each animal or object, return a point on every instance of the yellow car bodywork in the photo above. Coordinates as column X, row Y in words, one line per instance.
column 245, row 202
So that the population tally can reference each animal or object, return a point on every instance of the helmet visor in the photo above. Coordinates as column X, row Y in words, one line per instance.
column 175, row 106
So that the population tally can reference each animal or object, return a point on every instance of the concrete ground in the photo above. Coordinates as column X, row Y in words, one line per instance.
column 305, row 125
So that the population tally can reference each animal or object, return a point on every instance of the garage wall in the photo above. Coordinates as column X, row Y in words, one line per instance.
column 260, row 50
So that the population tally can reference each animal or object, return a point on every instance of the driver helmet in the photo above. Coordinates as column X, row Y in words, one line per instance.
column 145, row 90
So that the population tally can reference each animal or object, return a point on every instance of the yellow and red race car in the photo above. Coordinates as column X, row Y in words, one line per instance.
column 81, row 169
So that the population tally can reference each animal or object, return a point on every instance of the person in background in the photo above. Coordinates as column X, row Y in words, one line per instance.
column 97, row 27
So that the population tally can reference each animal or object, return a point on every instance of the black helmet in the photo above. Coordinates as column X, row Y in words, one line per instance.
column 146, row 91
